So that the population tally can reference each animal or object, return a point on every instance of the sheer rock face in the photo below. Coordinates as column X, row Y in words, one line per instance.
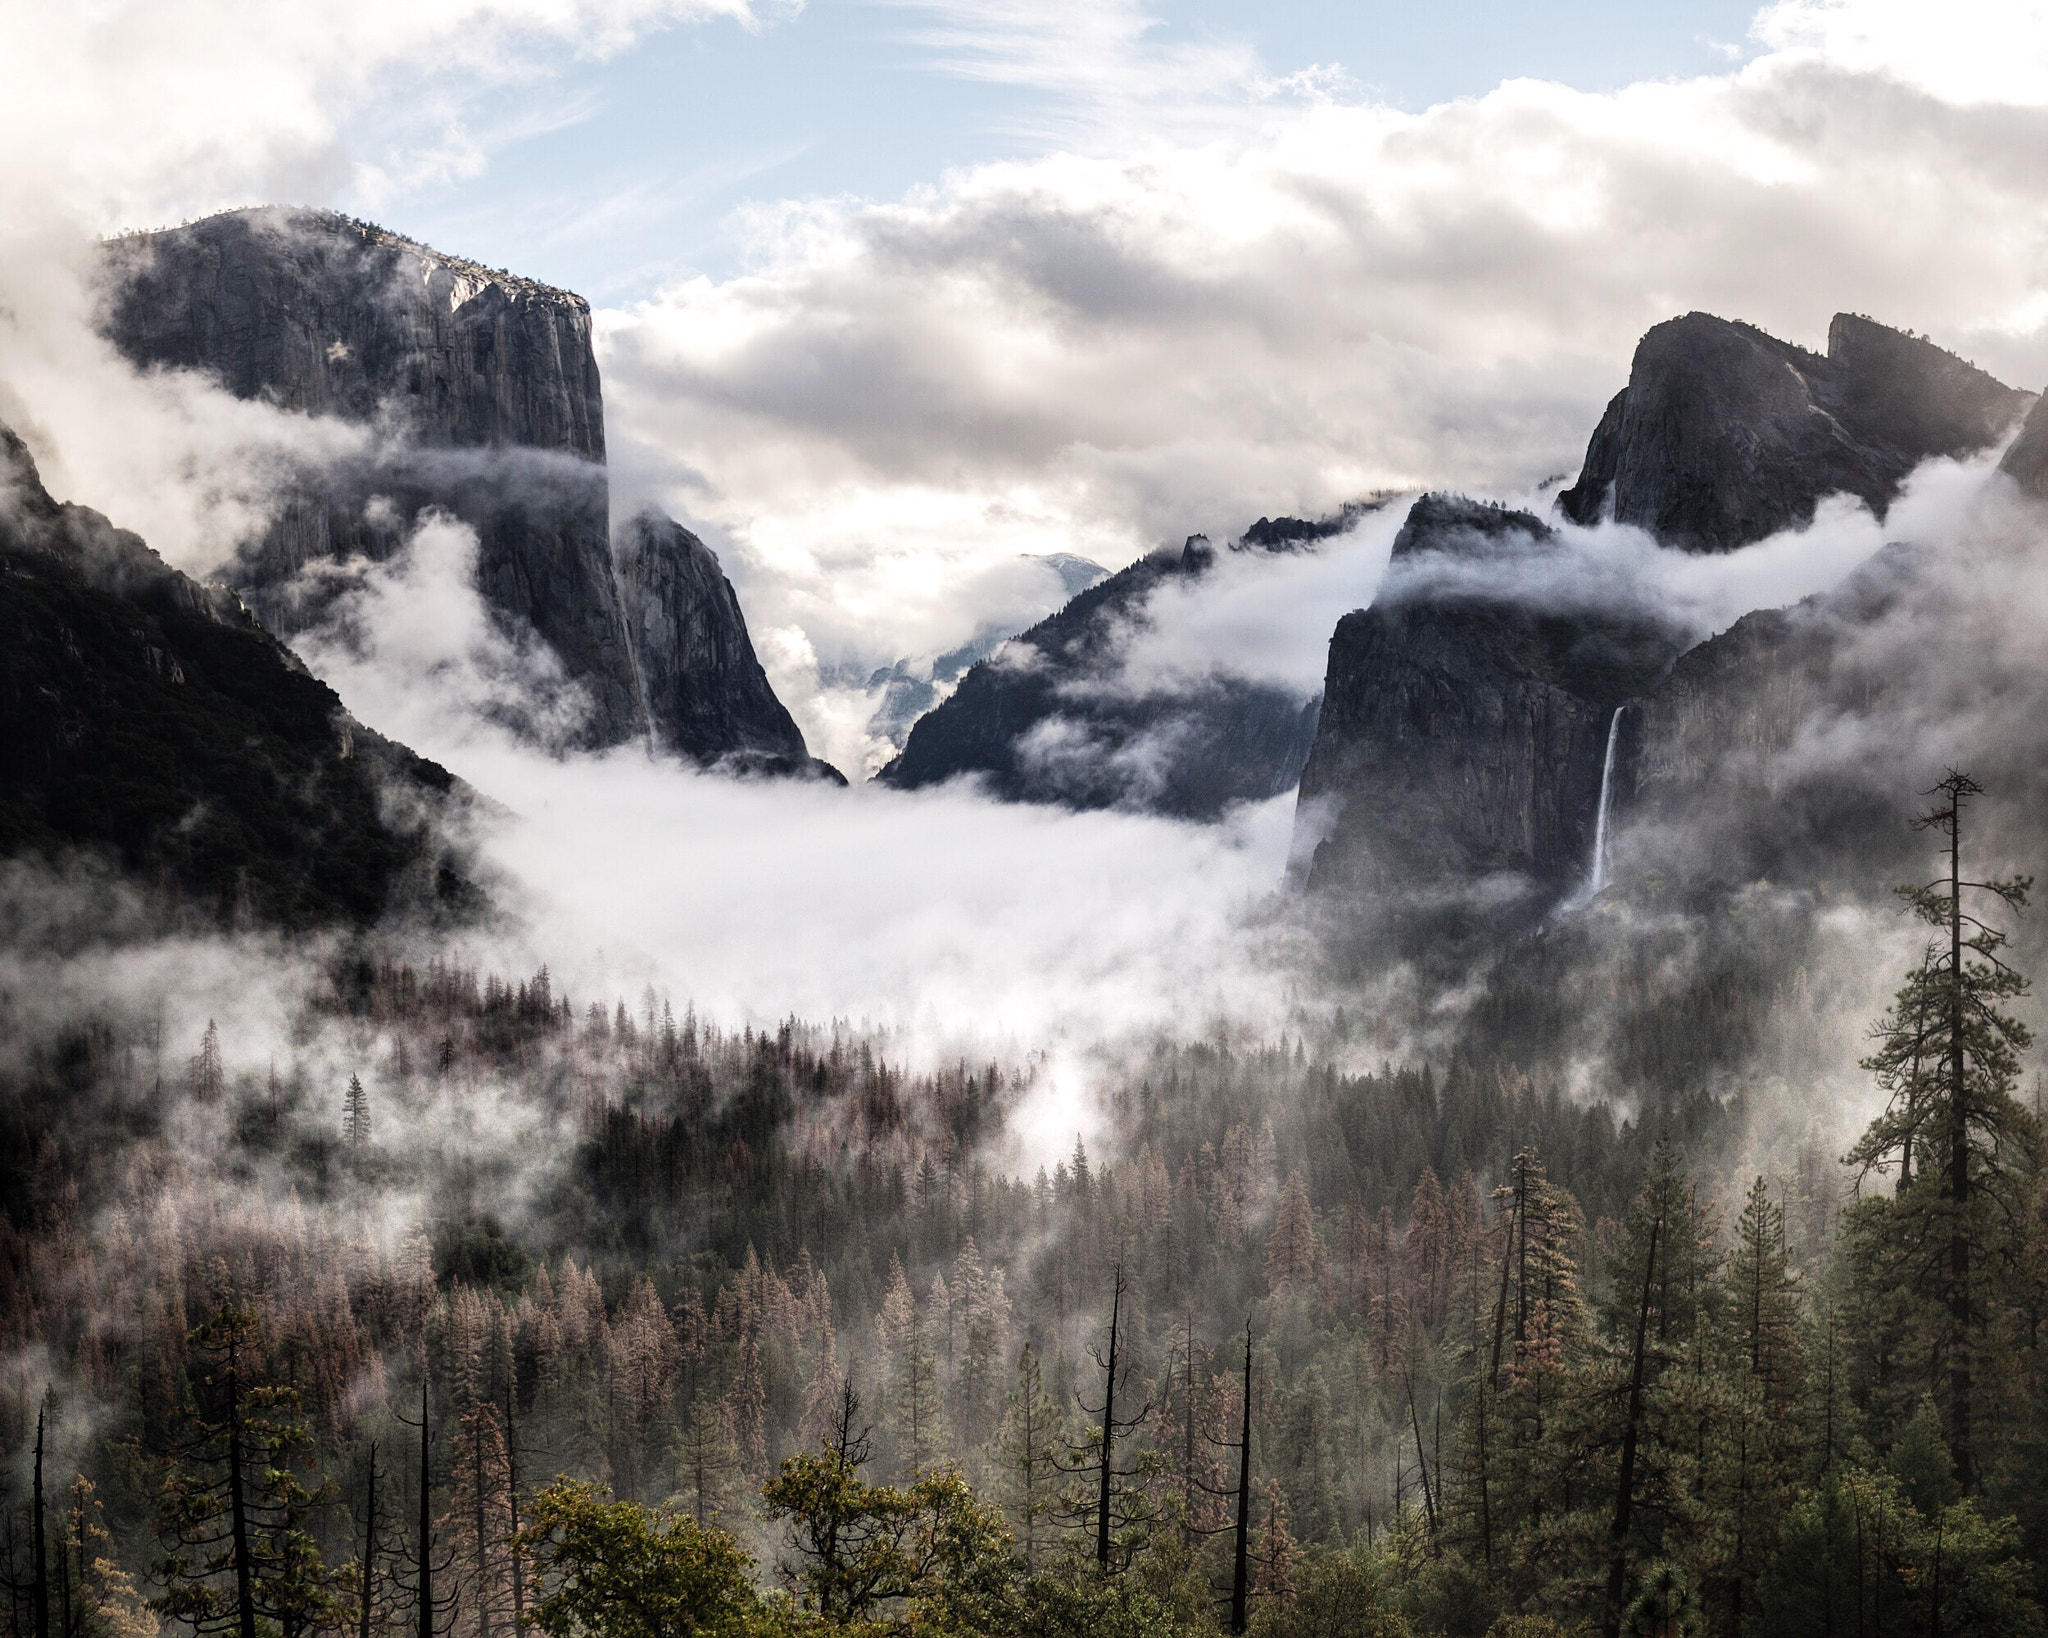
column 1725, row 435
column 1048, row 718
column 152, row 719
column 1714, row 770
column 477, row 392
column 2026, row 462
column 1463, row 732
column 707, row 697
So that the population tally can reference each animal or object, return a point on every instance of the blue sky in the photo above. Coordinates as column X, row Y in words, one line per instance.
column 611, row 176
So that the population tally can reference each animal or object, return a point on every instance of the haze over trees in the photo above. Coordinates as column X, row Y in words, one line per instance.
column 782, row 1341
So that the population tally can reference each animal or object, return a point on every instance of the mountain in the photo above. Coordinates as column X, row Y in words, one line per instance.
column 1047, row 718
column 1724, row 434
column 1464, row 731
column 153, row 721
column 472, row 390
column 912, row 687
column 1465, row 727
column 708, row 698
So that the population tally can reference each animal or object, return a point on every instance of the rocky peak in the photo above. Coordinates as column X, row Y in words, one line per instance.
column 1725, row 434
column 707, row 697
column 481, row 389
column 326, row 315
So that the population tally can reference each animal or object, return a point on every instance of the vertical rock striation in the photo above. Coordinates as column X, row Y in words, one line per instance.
column 1462, row 730
column 478, row 393
column 707, row 697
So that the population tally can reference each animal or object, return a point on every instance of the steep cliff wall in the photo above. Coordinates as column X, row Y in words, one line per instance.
column 1747, row 763
column 707, row 697
column 1463, row 734
column 150, row 719
column 1724, row 434
column 481, row 387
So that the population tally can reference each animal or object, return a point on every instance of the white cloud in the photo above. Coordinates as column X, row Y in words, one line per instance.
column 1978, row 51
column 1111, row 347
column 123, row 110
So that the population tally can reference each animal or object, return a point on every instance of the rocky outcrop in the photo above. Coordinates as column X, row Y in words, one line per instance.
column 1466, row 722
column 707, row 697
column 474, row 391
column 1050, row 718
column 1463, row 730
column 2026, row 462
column 151, row 719
column 1746, row 763
column 1725, row 435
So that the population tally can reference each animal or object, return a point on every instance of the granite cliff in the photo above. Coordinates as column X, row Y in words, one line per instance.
column 153, row 722
column 1463, row 731
column 1724, row 434
column 477, row 391
column 708, row 698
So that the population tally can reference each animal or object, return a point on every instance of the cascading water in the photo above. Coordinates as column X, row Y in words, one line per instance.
column 1596, row 879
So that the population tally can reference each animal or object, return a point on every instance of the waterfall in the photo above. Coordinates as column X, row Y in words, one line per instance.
column 1597, row 878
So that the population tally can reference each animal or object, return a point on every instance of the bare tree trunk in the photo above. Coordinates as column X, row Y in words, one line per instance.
column 1116, row 1305
column 1240, row 1588
column 369, row 1565
column 1958, row 1167
column 41, row 1550
column 426, row 1626
column 238, row 1515
column 1624, row 1492
column 512, row 1502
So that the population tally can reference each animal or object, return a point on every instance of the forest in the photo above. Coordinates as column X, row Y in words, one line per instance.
column 462, row 1308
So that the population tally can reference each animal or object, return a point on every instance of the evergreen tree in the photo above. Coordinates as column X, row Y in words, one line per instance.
column 234, row 1515
column 355, row 1115
column 1947, row 1056
column 1029, row 1448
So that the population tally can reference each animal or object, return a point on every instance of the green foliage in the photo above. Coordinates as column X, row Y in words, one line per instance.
column 620, row 1570
column 1857, row 1555
column 1341, row 1595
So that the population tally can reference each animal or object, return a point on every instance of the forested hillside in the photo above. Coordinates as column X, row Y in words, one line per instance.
column 466, row 1303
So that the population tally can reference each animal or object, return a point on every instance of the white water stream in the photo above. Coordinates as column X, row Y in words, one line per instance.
column 1597, row 878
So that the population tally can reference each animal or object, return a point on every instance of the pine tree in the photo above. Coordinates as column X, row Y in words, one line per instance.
column 1291, row 1252
column 707, row 1460
column 355, row 1115
column 1756, row 1453
column 1029, row 1446
column 207, row 1075
column 1947, row 1056
column 234, row 1516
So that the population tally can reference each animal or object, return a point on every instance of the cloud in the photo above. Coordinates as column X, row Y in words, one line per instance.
column 1116, row 345
column 127, row 109
column 411, row 646
column 131, row 113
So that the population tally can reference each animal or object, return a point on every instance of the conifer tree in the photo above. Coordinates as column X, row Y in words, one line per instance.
column 355, row 1115
column 1029, row 1446
column 707, row 1460
column 234, row 1515
column 1947, row 1056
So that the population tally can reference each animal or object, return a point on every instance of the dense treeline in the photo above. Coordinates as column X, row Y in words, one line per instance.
column 459, row 1306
